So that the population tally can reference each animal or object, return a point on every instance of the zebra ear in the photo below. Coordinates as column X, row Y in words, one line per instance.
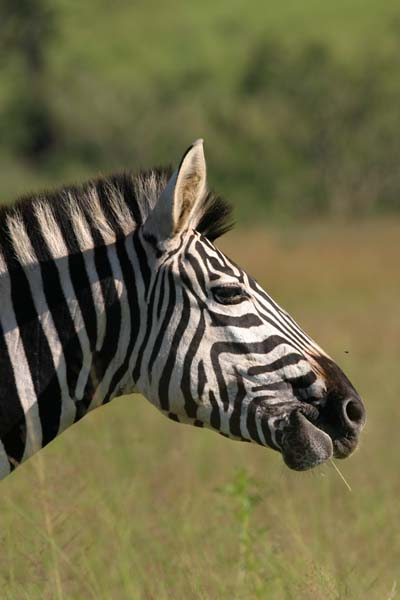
column 176, row 207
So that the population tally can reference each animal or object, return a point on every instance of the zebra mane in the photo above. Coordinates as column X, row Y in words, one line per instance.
column 111, row 207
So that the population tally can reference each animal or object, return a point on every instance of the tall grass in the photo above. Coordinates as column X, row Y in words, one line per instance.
column 128, row 505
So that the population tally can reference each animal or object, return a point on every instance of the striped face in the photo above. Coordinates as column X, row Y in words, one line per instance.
column 231, row 359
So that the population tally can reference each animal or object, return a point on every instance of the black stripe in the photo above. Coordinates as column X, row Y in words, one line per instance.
column 267, row 432
column 104, row 189
column 60, row 312
column 276, row 365
column 215, row 417
column 112, row 310
column 147, row 334
column 163, row 387
column 171, row 304
column 197, row 269
column 190, row 404
column 112, row 316
column 128, row 275
column 37, row 351
column 12, row 416
column 79, row 277
column 234, row 420
column 161, row 294
column 251, row 421
column 244, row 321
column 142, row 262
column 201, row 379
column 83, row 294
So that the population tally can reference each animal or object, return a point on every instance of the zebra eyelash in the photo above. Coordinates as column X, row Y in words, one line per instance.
column 229, row 294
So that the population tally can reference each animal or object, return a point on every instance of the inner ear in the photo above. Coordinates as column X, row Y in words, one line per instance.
column 175, row 210
column 190, row 186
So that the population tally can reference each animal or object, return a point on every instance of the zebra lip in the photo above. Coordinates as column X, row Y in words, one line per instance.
column 303, row 444
column 344, row 446
column 344, row 442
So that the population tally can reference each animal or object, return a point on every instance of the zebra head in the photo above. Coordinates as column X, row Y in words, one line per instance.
column 231, row 359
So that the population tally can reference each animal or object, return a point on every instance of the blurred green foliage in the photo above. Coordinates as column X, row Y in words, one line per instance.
column 26, row 30
column 299, row 105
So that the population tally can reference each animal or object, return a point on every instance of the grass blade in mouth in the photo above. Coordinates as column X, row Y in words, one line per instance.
column 342, row 477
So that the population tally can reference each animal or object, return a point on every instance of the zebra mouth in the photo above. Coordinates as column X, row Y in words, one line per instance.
column 309, row 438
column 303, row 444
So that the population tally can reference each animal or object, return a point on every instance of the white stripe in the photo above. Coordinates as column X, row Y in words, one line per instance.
column 86, row 245
column 80, row 225
column 22, row 375
column 97, row 295
column 50, row 230
column 56, row 244
column 68, row 408
column 98, row 218
column 120, row 210
column 125, row 330
column 142, row 321
column 33, row 274
column 259, row 428
column 19, row 239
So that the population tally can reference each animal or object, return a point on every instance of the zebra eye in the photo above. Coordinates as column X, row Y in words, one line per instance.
column 229, row 294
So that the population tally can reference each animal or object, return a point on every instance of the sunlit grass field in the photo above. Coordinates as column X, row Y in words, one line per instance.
column 129, row 505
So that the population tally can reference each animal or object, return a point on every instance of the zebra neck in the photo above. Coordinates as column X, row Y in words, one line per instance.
column 105, row 304
column 68, row 327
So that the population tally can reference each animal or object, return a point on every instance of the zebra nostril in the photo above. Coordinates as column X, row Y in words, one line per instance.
column 354, row 413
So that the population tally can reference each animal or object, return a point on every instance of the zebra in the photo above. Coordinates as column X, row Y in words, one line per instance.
column 115, row 286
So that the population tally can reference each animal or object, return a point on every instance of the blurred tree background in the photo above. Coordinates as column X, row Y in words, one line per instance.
column 298, row 102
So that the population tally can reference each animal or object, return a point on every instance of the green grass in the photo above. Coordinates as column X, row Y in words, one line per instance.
column 128, row 505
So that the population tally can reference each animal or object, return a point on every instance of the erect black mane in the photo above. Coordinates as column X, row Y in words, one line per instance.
column 138, row 193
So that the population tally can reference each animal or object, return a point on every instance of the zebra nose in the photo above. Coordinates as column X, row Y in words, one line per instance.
column 353, row 413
